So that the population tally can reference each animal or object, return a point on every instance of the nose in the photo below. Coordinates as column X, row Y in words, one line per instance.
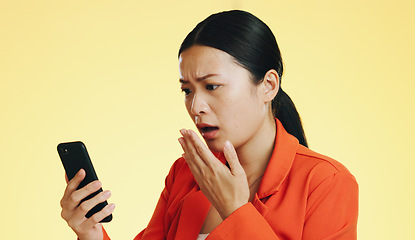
column 199, row 105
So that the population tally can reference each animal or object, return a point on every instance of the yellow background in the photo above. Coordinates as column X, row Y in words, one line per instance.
column 105, row 72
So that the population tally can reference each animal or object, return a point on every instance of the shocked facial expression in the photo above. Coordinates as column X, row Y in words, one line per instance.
column 220, row 97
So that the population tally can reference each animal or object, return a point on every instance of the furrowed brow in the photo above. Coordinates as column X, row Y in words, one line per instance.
column 199, row 79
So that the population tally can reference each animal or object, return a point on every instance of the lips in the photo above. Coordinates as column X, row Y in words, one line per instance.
column 208, row 131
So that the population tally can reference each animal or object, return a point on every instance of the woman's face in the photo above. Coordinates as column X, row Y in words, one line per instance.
column 220, row 97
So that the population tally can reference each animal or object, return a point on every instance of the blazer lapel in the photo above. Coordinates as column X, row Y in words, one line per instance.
column 260, row 206
column 194, row 211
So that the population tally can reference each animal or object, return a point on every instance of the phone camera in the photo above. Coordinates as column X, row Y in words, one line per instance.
column 64, row 151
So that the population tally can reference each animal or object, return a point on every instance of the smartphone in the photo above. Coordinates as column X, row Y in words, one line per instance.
column 75, row 157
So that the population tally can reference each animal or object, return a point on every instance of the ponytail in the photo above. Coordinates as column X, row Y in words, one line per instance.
column 285, row 110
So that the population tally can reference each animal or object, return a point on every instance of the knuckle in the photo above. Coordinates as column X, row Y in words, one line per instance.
column 84, row 207
column 73, row 198
column 199, row 149
column 93, row 186
column 89, row 187
column 71, row 186
column 204, row 174
column 71, row 223
column 63, row 215
column 231, row 154
column 212, row 174
column 106, row 211
column 96, row 218
column 104, row 196
column 239, row 172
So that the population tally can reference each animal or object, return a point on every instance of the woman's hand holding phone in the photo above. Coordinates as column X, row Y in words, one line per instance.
column 73, row 211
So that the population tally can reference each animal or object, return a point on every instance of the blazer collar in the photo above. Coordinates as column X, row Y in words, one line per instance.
column 279, row 165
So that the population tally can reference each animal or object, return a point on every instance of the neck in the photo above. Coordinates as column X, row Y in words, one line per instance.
column 254, row 155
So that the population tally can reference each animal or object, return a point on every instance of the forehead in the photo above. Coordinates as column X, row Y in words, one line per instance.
column 201, row 60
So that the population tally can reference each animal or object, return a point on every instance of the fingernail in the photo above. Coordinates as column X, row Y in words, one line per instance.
column 107, row 193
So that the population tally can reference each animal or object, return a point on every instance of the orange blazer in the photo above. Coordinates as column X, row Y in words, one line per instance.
column 302, row 195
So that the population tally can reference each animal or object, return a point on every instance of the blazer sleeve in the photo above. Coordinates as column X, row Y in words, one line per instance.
column 332, row 209
column 243, row 224
column 331, row 214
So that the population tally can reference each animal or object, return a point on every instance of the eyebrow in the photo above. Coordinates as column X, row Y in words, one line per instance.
column 199, row 79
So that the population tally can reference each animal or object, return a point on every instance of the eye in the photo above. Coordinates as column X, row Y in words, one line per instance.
column 186, row 91
column 211, row 87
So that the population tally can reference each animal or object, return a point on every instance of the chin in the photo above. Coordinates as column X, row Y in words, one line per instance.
column 215, row 146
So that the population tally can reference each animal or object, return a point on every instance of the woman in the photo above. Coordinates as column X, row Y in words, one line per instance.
column 255, row 178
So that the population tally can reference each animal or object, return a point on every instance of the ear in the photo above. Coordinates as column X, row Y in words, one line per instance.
column 271, row 85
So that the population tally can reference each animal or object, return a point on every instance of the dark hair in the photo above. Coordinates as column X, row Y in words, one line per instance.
column 253, row 46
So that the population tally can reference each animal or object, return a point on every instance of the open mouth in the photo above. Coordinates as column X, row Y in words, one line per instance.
column 208, row 129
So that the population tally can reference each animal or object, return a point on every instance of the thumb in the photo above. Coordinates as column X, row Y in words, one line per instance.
column 232, row 158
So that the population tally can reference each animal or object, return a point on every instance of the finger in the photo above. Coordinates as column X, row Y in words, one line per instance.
column 232, row 158
column 186, row 155
column 191, row 154
column 183, row 144
column 76, row 180
column 87, row 205
column 183, row 141
column 97, row 217
column 73, row 185
column 66, row 178
column 203, row 151
column 184, row 147
column 82, row 193
column 87, row 190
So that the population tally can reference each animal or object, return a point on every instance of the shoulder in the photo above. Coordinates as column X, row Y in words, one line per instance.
column 310, row 157
column 179, row 168
column 179, row 175
column 316, row 168
column 178, row 165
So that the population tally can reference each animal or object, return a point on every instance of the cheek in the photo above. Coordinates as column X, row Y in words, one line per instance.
column 241, row 105
column 231, row 112
column 242, row 112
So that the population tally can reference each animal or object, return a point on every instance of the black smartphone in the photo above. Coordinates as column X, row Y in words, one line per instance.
column 75, row 157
